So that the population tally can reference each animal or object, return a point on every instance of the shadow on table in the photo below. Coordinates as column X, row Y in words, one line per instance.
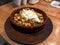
column 3, row 41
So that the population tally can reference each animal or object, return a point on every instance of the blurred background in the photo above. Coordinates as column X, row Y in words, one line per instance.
column 2, row 2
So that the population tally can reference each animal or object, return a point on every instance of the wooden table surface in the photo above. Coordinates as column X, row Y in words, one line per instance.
column 52, row 12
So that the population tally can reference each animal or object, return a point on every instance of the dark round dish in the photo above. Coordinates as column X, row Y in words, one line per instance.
column 28, row 29
column 28, row 39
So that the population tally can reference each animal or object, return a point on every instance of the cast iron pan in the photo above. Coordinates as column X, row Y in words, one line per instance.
column 24, row 38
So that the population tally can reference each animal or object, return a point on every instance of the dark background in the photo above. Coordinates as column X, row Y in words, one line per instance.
column 2, row 2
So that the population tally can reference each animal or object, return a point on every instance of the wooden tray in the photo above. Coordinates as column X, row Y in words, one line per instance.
column 23, row 38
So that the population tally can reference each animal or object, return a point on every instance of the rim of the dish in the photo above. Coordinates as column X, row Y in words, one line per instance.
column 19, row 8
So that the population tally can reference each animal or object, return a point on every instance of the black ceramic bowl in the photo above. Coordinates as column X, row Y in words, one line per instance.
column 27, row 29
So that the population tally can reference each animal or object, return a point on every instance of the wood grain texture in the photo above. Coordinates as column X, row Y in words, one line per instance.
column 52, row 12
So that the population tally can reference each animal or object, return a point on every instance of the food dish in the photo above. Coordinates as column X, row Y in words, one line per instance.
column 28, row 18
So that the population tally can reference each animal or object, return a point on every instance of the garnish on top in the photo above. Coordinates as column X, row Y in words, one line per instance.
column 28, row 17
